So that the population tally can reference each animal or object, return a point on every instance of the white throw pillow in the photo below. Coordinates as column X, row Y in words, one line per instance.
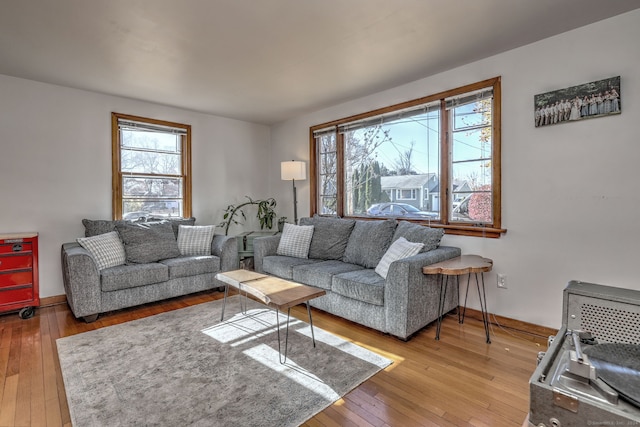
column 295, row 240
column 194, row 240
column 106, row 249
column 399, row 249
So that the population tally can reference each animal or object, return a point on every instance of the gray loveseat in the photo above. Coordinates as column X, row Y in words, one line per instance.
column 342, row 259
column 91, row 291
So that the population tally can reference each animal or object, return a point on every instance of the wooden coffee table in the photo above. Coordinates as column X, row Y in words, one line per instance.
column 274, row 292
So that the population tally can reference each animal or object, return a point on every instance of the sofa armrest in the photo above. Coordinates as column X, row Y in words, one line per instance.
column 411, row 297
column 225, row 247
column 263, row 247
column 81, row 280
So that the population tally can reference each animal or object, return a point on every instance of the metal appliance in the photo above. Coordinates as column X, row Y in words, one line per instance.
column 590, row 374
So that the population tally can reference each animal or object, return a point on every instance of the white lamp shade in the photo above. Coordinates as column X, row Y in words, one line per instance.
column 293, row 169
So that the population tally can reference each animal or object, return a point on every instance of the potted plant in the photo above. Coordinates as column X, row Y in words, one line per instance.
column 266, row 213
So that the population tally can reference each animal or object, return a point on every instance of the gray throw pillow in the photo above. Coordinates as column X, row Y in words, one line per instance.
column 148, row 242
column 368, row 242
column 419, row 234
column 400, row 249
column 330, row 236
column 106, row 249
column 295, row 240
column 195, row 240
column 94, row 227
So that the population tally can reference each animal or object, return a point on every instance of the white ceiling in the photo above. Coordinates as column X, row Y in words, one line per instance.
column 268, row 60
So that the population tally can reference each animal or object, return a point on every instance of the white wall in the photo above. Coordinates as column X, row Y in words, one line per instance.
column 570, row 192
column 55, row 163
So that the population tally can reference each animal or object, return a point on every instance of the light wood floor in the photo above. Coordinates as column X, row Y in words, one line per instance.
column 457, row 381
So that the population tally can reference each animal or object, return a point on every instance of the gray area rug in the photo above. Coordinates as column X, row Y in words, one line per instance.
column 185, row 367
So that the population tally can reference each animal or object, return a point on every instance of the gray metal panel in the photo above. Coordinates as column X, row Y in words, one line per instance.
column 610, row 314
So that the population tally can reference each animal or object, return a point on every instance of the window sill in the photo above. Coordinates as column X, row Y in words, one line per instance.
column 471, row 230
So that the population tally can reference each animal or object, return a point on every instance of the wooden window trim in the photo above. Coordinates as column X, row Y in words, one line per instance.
column 116, row 175
column 494, row 230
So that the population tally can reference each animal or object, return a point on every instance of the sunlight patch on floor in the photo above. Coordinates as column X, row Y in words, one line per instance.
column 271, row 359
column 243, row 328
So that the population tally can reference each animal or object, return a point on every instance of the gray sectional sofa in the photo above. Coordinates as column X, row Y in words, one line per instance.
column 91, row 290
column 342, row 258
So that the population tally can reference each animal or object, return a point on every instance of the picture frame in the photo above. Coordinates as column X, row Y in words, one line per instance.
column 599, row 98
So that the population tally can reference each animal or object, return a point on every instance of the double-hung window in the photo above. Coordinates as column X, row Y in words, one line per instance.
column 433, row 160
column 151, row 168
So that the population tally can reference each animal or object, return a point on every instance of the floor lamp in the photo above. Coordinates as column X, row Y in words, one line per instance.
column 290, row 171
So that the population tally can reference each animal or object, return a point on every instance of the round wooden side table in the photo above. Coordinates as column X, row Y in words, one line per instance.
column 464, row 264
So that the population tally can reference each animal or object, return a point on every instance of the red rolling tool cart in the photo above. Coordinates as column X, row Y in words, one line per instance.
column 19, row 273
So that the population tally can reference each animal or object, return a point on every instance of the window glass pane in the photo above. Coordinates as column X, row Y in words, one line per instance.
column 475, row 174
column 151, row 196
column 394, row 160
column 150, row 140
column 471, row 201
column 328, row 143
column 476, row 207
column 473, row 114
column 328, row 163
column 143, row 208
column 327, row 173
column 147, row 187
column 328, row 205
column 471, row 144
column 328, row 185
column 151, row 162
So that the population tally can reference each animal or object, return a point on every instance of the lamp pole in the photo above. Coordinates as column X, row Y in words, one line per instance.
column 295, row 203
column 292, row 170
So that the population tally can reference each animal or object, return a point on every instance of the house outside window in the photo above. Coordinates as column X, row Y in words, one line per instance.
column 446, row 147
column 151, row 168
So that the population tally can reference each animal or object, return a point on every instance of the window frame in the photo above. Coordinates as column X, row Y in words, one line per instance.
column 493, row 229
column 117, row 175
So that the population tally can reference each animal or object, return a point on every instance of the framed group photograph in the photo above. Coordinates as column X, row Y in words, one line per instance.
column 586, row 101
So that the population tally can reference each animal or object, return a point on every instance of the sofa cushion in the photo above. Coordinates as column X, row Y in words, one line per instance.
column 131, row 276
column 399, row 249
column 362, row 285
column 295, row 240
column 195, row 239
column 330, row 236
column 368, row 242
column 282, row 266
column 94, row 227
column 106, row 249
column 186, row 266
column 177, row 222
column 321, row 274
column 148, row 242
column 419, row 234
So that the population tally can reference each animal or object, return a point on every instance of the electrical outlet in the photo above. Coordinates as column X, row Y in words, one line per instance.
column 502, row 281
